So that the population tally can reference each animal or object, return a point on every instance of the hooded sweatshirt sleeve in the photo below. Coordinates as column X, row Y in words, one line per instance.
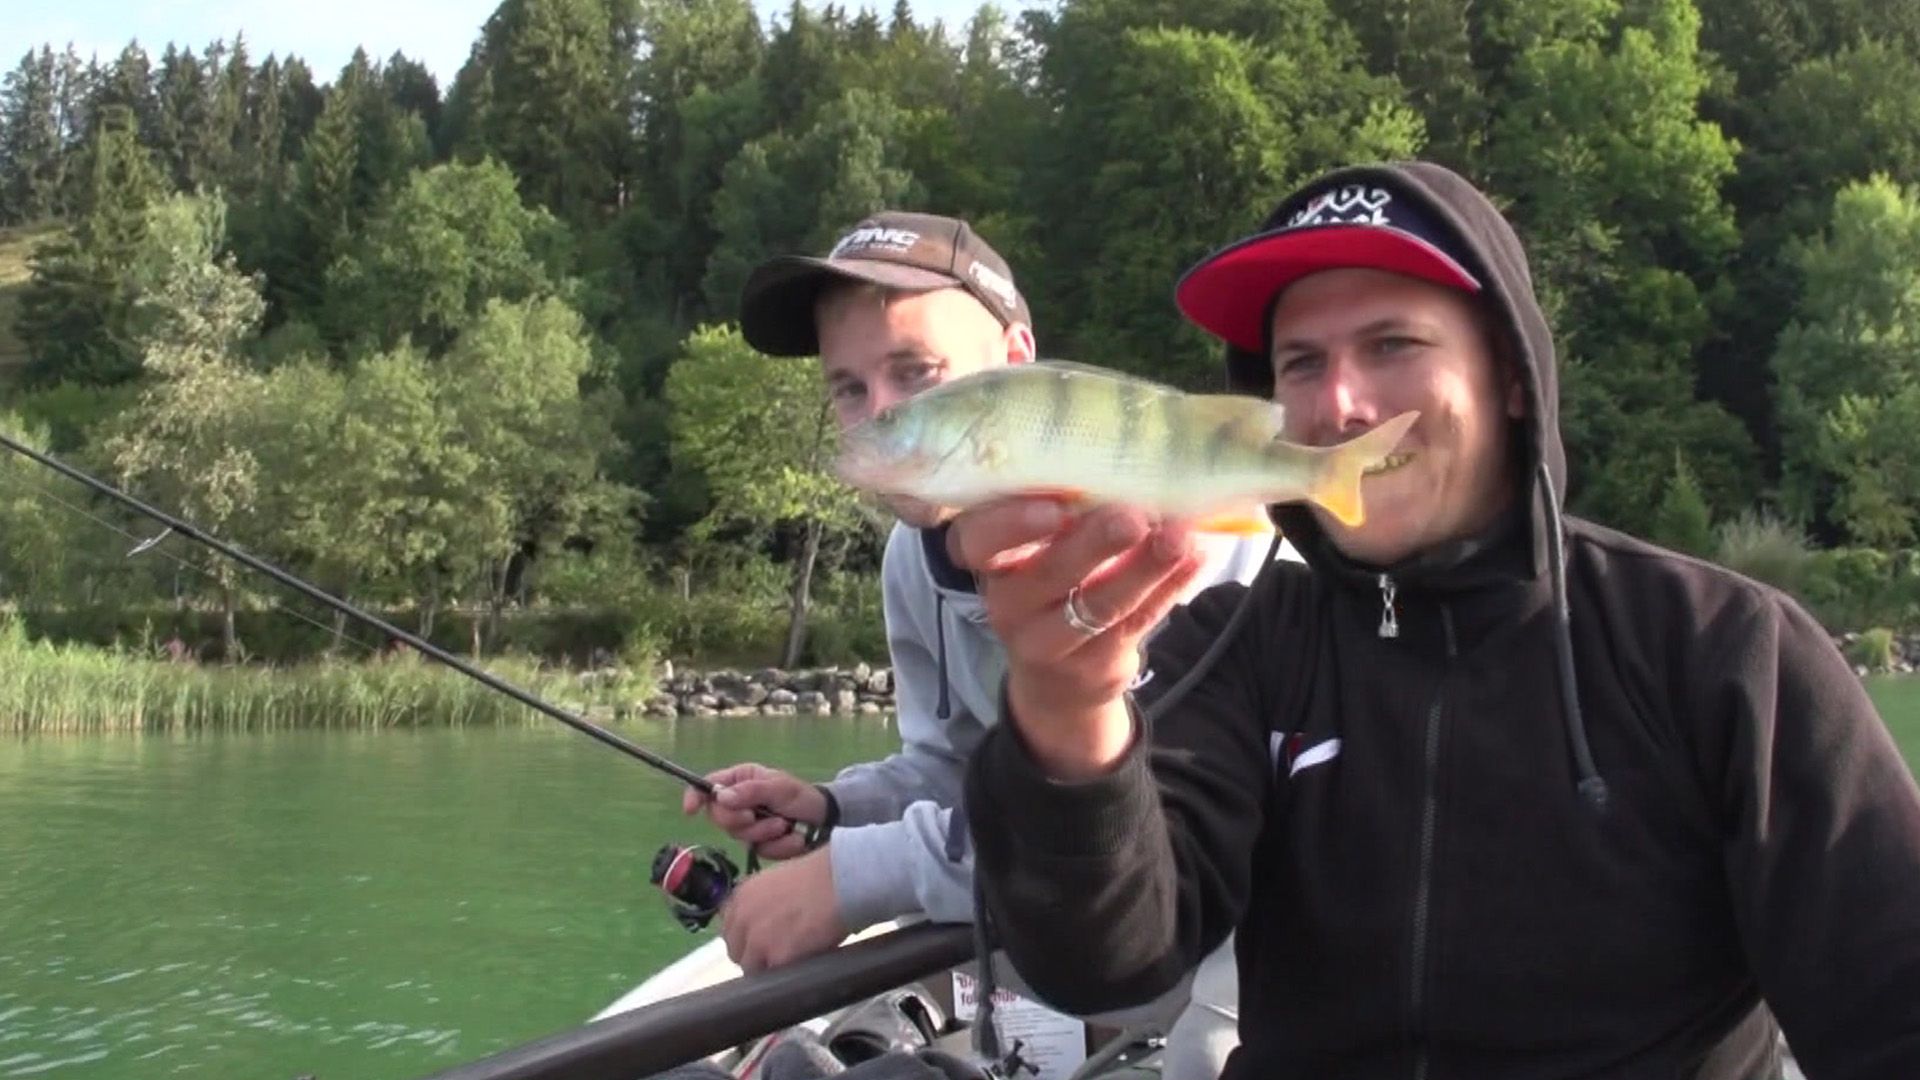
column 1105, row 892
column 891, row 854
column 933, row 749
column 1823, row 844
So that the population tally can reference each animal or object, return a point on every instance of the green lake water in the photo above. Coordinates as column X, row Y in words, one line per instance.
column 360, row 905
column 354, row 906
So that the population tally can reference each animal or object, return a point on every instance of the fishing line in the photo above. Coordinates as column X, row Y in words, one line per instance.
column 141, row 547
column 421, row 645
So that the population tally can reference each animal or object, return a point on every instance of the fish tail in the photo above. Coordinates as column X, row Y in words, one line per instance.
column 1337, row 488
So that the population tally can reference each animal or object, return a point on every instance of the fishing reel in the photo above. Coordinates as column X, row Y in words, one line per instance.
column 696, row 880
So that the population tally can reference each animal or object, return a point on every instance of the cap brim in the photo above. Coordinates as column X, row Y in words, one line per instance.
column 1227, row 294
column 776, row 306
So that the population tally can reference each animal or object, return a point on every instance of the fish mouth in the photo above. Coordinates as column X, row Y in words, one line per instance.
column 1387, row 464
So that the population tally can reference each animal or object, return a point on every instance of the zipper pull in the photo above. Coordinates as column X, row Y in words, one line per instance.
column 1389, row 619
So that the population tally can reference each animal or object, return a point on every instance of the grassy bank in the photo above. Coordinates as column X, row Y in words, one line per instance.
column 48, row 688
column 1899, row 702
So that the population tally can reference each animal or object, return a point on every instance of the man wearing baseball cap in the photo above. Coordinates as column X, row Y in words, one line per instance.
column 1483, row 790
column 900, row 303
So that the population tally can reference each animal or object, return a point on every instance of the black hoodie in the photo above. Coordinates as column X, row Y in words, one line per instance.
column 1613, row 835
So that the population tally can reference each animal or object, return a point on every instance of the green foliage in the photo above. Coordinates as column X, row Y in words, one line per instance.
column 556, row 106
column 455, row 237
column 72, row 412
column 1847, row 369
column 75, row 314
column 1873, row 649
column 1247, row 122
column 1683, row 521
column 759, row 430
column 1599, row 107
column 849, row 625
column 1765, row 548
column 49, row 553
column 33, row 138
column 1854, row 587
column 726, row 605
column 188, row 438
column 786, row 192
column 1182, row 123
column 1867, row 444
column 468, row 356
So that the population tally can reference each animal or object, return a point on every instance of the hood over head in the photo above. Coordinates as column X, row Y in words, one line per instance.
column 1415, row 218
column 1424, row 220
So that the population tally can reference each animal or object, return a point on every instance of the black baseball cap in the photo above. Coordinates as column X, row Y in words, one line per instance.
column 895, row 249
column 1345, row 224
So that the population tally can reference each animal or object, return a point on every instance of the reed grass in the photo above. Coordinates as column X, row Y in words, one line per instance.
column 48, row 688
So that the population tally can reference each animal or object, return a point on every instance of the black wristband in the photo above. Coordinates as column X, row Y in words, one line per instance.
column 818, row 834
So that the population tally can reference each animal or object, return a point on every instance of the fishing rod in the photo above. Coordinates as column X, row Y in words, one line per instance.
column 423, row 646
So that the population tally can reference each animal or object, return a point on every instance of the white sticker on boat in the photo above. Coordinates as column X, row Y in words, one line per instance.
column 1053, row 1042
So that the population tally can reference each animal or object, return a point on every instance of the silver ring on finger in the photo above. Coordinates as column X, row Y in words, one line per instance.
column 1077, row 616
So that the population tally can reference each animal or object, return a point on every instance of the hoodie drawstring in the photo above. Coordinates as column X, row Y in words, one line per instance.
column 945, row 708
column 1592, row 787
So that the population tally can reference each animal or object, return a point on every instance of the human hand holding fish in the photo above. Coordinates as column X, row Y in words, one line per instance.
column 1114, row 568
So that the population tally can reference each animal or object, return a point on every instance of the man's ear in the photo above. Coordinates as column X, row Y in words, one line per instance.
column 1516, row 396
column 1020, row 345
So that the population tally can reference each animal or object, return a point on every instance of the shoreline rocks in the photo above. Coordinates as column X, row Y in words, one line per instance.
column 862, row 689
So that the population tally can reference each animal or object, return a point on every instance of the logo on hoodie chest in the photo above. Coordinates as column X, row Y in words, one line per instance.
column 1293, row 753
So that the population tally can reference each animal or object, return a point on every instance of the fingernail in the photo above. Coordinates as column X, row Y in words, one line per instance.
column 1123, row 530
column 1166, row 545
column 1043, row 515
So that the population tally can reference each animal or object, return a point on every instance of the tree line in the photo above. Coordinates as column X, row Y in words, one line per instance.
column 493, row 319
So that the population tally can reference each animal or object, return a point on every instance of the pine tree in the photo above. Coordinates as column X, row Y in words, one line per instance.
column 557, row 107
column 1682, row 521
column 75, row 315
column 181, row 101
column 323, row 203
column 229, row 71
column 127, row 82
column 32, row 156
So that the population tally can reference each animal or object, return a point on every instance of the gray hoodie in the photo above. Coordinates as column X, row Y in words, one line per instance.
column 892, row 854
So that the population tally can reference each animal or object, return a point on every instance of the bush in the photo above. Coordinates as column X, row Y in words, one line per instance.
column 736, row 616
column 1873, row 650
column 848, row 623
column 1765, row 548
column 1854, row 587
column 1682, row 520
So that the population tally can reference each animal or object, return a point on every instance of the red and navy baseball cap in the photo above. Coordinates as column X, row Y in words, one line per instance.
column 898, row 250
column 1343, row 224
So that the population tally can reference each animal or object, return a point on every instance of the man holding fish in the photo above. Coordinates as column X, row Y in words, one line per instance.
column 1483, row 790
column 903, row 304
